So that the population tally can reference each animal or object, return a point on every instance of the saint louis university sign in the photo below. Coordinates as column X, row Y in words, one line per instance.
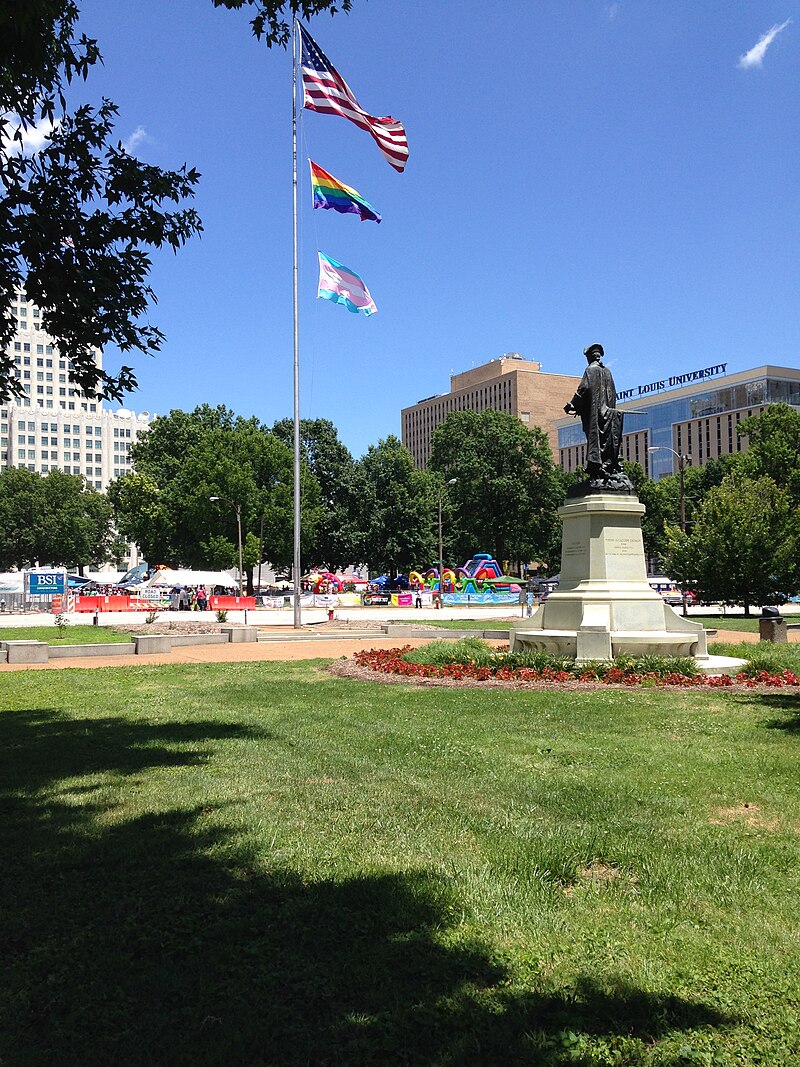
column 672, row 382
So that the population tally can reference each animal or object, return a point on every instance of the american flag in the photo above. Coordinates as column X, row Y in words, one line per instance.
column 326, row 91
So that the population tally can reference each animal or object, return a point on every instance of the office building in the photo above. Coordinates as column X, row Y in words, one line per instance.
column 511, row 383
column 53, row 425
column 693, row 414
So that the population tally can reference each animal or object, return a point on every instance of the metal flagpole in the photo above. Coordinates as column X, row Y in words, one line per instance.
column 296, row 568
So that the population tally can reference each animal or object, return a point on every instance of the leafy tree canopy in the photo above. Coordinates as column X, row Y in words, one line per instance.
column 272, row 20
column 183, row 460
column 52, row 519
column 396, row 509
column 743, row 546
column 774, row 447
column 338, row 540
column 507, row 489
column 79, row 219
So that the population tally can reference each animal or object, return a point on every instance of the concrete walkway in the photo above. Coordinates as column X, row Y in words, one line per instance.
column 233, row 653
column 292, row 648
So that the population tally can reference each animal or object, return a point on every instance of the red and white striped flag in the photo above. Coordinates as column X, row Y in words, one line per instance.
column 326, row 91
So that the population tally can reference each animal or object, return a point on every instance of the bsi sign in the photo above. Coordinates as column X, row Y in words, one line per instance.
column 47, row 583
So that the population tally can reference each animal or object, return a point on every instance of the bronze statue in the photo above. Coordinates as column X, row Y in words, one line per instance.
column 595, row 401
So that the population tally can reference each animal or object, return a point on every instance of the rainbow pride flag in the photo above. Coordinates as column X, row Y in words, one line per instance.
column 329, row 192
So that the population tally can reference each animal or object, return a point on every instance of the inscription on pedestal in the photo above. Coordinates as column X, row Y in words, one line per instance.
column 622, row 546
column 572, row 548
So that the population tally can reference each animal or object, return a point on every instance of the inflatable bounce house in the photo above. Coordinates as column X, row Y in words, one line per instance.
column 479, row 581
column 321, row 582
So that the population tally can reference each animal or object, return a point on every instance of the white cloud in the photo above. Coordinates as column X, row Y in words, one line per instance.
column 33, row 138
column 755, row 57
column 612, row 10
column 139, row 136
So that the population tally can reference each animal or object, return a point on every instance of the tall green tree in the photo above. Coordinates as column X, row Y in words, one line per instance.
column 53, row 519
column 338, row 539
column 184, row 460
column 396, row 509
column 743, row 546
column 774, row 447
column 271, row 22
column 506, row 491
column 79, row 219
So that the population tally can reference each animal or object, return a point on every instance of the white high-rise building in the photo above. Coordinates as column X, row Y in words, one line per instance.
column 53, row 424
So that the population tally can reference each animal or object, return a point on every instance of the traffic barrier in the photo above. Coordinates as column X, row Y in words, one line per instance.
column 231, row 603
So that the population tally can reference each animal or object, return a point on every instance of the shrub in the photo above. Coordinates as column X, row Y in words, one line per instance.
column 658, row 665
column 465, row 650
column 151, row 617
column 61, row 623
column 222, row 616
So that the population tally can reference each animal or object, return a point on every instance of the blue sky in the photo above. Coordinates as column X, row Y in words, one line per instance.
column 579, row 170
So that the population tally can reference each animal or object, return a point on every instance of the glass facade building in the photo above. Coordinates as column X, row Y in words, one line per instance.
column 697, row 420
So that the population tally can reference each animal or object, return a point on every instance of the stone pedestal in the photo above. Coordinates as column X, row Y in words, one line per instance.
column 604, row 606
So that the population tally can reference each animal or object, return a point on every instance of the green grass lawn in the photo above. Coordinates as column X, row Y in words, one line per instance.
column 260, row 864
column 728, row 622
column 74, row 634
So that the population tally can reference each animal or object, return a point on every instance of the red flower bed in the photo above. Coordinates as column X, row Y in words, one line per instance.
column 390, row 661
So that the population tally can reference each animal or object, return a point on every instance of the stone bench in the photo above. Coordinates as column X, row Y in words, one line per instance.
column 241, row 634
column 119, row 648
column 183, row 640
column 152, row 644
column 25, row 651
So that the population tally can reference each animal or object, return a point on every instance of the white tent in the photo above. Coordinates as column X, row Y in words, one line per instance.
column 189, row 578
column 105, row 577
column 12, row 582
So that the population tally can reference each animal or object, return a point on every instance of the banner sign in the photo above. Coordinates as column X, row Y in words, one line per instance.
column 673, row 381
column 488, row 596
column 326, row 600
column 47, row 583
column 376, row 600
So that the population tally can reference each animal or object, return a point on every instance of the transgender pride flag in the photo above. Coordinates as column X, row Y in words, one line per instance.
column 343, row 286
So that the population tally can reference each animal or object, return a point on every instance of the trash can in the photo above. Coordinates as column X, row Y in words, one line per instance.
column 772, row 626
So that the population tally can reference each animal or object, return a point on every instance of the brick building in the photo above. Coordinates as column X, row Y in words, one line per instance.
column 511, row 383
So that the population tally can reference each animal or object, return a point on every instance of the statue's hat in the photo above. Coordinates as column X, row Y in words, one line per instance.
column 594, row 348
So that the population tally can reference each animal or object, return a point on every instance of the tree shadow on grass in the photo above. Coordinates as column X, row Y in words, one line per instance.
column 162, row 940
column 788, row 704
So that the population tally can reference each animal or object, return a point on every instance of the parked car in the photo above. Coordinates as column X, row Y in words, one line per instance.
column 668, row 589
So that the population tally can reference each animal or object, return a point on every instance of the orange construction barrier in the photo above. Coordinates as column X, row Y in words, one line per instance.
column 231, row 603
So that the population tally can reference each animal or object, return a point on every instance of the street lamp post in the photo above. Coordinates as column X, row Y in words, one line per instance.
column 260, row 553
column 442, row 486
column 683, row 462
column 238, row 510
